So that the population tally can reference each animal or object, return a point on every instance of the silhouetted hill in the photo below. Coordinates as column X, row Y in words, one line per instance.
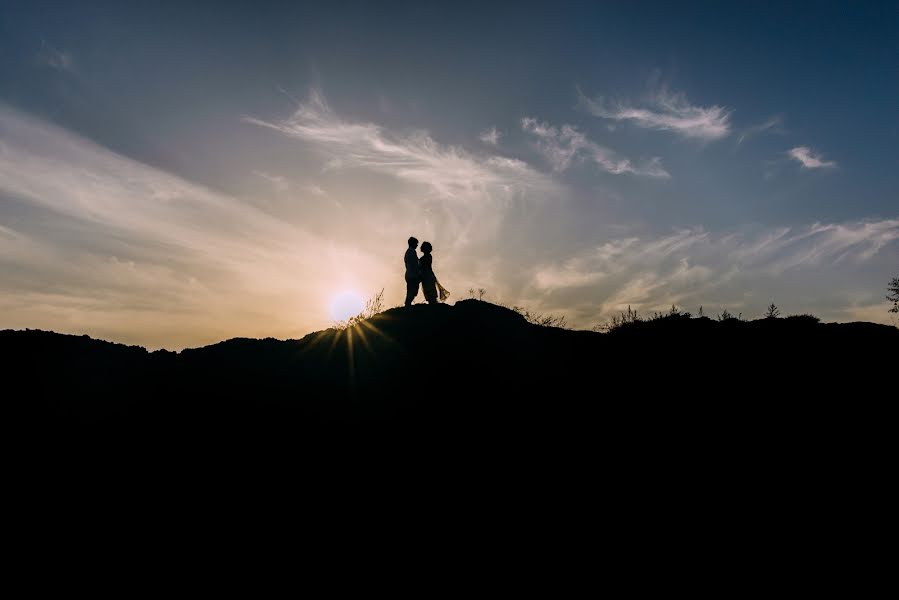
column 462, row 368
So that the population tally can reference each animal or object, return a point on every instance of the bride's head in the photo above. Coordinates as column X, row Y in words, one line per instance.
column 426, row 247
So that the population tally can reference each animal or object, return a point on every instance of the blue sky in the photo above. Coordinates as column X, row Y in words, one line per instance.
column 172, row 175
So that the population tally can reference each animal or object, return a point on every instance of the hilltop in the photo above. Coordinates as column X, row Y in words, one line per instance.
column 461, row 367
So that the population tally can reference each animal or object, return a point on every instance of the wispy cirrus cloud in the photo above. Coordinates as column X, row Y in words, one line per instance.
column 810, row 159
column 460, row 200
column 107, row 245
column 279, row 182
column 452, row 173
column 772, row 125
column 693, row 266
column 665, row 111
column 490, row 136
column 315, row 190
column 48, row 56
column 564, row 146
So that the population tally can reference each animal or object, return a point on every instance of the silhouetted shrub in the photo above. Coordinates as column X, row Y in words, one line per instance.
column 544, row 320
column 617, row 321
column 773, row 312
column 803, row 319
column 674, row 311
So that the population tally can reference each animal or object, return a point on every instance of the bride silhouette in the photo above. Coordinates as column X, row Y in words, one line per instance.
column 433, row 291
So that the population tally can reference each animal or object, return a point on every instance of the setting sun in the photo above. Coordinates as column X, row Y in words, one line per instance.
column 346, row 305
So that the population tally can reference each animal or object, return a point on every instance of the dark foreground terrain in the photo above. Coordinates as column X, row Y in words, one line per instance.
column 469, row 414
column 463, row 369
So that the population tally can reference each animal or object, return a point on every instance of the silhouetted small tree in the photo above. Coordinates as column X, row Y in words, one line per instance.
column 481, row 293
column 701, row 314
column 544, row 320
column 773, row 312
column 893, row 296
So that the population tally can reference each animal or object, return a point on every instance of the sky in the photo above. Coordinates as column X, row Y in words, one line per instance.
column 175, row 174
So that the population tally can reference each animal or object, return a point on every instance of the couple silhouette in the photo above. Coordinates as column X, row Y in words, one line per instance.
column 420, row 271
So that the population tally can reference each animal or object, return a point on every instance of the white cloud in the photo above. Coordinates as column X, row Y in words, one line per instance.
column 490, row 136
column 95, row 242
column 666, row 112
column 508, row 164
column 693, row 266
column 571, row 273
column 461, row 201
column 565, row 146
column 450, row 172
column 315, row 190
column 809, row 159
column 772, row 125
column 332, row 164
column 48, row 56
column 279, row 182
column 106, row 245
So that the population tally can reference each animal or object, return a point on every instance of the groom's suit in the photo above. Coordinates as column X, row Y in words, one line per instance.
column 413, row 275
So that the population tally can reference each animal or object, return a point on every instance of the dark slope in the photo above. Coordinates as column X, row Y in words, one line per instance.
column 734, row 437
column 463, row 368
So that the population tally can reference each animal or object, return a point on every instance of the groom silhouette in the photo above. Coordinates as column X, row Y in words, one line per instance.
column 413, row 271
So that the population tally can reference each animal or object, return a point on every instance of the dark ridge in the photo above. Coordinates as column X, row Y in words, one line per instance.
column 449, row 375
column 413, row 359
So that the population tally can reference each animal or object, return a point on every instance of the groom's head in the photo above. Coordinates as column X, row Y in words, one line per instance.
column 413, row 243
